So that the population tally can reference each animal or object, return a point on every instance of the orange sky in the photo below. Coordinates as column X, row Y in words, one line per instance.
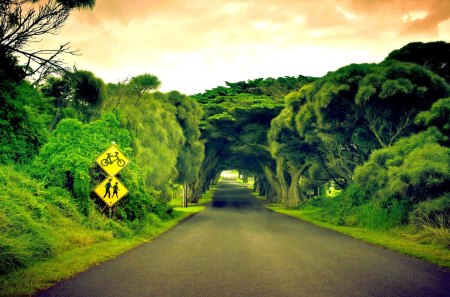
column 197, row 45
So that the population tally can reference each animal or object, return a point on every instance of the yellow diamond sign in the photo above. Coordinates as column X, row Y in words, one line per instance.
column 111, row 190
column 112, row 161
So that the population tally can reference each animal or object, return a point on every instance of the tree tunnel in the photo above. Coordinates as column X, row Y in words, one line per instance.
column 236, row 122
column 295, row 134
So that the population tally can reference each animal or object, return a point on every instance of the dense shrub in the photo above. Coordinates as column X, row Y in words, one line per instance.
column 434, row 212
column 415, row 168
column 339, row 210
column 382, row 216
column 67, row 159
column 23, row 119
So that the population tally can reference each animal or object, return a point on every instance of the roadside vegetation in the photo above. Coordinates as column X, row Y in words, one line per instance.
column 46, row 238
column 364, row 148
column 426, row 242
column 54, row 123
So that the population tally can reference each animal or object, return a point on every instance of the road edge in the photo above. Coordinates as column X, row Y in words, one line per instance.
column 31, row 280
column 392, row 243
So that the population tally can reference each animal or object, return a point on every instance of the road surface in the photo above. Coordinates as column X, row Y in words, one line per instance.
column 238, row 248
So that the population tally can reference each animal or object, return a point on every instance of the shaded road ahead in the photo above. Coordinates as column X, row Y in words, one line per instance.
column 238, row 248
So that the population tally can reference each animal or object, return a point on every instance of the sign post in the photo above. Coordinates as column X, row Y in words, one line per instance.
column 111, row 190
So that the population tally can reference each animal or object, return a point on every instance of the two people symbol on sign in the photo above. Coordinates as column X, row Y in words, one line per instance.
column 108, row 189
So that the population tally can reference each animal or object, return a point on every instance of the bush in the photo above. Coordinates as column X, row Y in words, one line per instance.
column 416, row 168
column 339, row 210
column 376, row 216
column 68, row 159
column 434, row 212
column 22, row 122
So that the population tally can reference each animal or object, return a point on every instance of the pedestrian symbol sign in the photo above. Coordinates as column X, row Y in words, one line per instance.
column 112, row 161
column 111, row 190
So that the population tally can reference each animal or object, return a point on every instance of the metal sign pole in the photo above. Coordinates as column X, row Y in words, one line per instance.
column 185, row 194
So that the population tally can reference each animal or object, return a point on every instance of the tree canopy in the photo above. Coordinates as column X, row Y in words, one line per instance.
column 377, row 133
column 236, row 121
column 434, row 56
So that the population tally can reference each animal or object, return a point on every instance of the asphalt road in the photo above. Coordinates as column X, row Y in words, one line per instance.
column 238, row 248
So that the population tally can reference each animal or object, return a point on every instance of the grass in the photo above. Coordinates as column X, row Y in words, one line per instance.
column 44, row 239
column 402, row 239
column 206, row 198
column 44, row 274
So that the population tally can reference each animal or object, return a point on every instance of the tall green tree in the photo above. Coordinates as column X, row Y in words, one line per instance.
column 434, row 56
column 359, row 108
column 189, row 161
column 157, row 136
column 75, row 94
column 143, row 83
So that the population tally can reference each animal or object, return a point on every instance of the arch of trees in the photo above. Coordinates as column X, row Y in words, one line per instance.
column 235, row 125
column 379, row 128
column 378, row 131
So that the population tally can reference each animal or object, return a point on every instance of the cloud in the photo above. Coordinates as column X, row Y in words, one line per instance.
column 192, row 45
column 420, row 18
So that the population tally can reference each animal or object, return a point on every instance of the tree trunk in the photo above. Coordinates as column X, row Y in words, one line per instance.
column 185, row 194
column 293, row 197
column 275, row 188
column 280, row 169
column 201, row 185
column 271, row 194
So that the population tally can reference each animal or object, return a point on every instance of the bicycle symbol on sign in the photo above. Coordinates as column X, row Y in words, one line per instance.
column 111, row 159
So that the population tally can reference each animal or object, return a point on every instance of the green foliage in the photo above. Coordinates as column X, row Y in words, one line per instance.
column 434, row 212
column 274, row 87
column 32, row 217
column 76, row 94
column 432, row 221
column 437, row 116
column 23, row 115
column 339, row 211
column 237, row 117
column 374, row 216
column 235, row 124
column 143, row 83
column 157, row 135
column 348, row 113
column 424, row 173
column 87, row 88
column 189, row 114
column 432, row 55
column 415, row 168
column 352, row 208
column 68, row 158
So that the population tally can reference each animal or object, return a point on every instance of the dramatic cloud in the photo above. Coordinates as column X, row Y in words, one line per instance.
column 195, row 45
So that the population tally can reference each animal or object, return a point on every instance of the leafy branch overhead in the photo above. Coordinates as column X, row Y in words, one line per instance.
column 23, row 22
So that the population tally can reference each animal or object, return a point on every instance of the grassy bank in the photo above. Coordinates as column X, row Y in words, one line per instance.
column 45, row 273
column 404, row 240
column 44, row 238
